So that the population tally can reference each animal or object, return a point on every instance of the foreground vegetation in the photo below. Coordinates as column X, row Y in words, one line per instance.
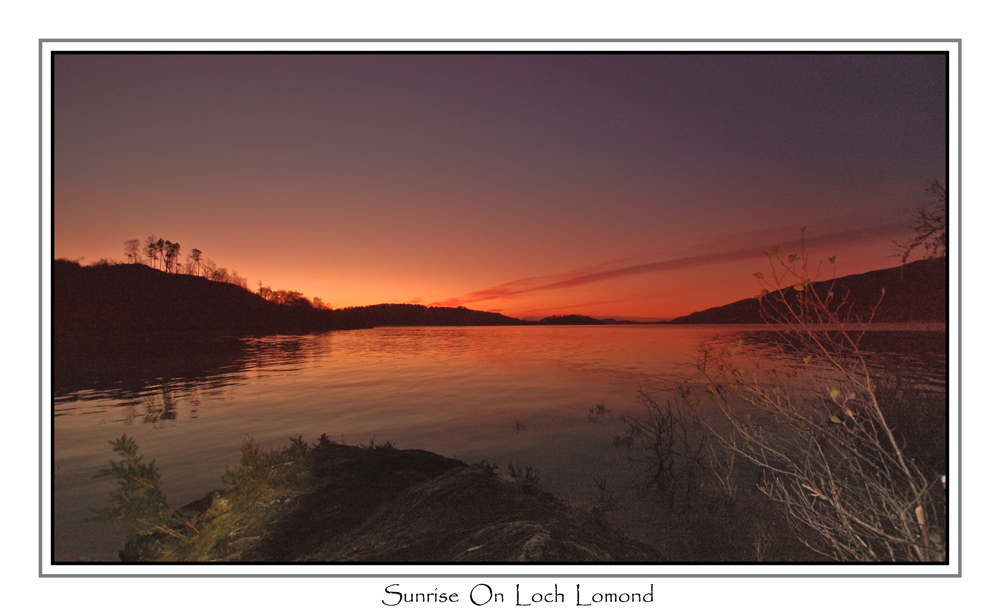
column 854, row 458
column 328, row 502
column 263, row 478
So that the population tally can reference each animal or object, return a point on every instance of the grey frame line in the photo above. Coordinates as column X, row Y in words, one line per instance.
column 958, row 291
column 41, row 298
column 493, row 576
column 500, row 40
column 41, row 363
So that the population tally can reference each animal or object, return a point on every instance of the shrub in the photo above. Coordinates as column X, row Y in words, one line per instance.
column 665, row 442
column 262, row 472
column 139, row 498
column 599, row 412
column 262, row 478
column 815, row 426
column 524, row 477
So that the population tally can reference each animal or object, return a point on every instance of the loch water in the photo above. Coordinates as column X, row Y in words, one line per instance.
column 502, row 394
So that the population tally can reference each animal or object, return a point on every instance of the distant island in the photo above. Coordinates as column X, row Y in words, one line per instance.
column 571, row 319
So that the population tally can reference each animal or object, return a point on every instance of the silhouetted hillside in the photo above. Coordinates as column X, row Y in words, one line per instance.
column 116, row 325
column 132, row 305
column 135, row 301
column 120, row 326
column 916, row 292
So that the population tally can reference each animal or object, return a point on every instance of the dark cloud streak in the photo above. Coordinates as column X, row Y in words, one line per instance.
column 528, row 286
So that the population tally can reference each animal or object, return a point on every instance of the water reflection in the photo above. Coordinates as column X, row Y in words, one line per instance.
column 153, row 392
column 498, row 393
column 415, row 361
column 918, row 357
column 160, row 405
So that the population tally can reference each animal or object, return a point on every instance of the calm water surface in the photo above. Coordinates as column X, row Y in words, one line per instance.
column 455, row 391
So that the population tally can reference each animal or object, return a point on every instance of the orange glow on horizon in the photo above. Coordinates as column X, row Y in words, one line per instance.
column 646, row 295
column 529, row 185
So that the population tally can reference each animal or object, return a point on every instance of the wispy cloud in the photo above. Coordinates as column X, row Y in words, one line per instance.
column 591, row 275
column 563, row 309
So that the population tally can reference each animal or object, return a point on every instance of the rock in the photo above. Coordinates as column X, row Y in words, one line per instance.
column 406, row 506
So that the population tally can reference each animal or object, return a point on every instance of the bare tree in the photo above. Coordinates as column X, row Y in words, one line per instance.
column 160, row 244
column 171, row 252
column 208, row 268
column 195, row 258
column 151, row 250
column 929, row 226
column 132, row 251
column 265, row 292
column 240, row 281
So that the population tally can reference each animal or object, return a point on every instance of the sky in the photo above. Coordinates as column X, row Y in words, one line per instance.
column 641, row 186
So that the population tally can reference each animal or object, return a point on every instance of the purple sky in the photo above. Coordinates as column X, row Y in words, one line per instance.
column 612, row 185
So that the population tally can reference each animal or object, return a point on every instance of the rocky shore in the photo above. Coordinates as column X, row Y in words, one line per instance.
column 339, row 504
